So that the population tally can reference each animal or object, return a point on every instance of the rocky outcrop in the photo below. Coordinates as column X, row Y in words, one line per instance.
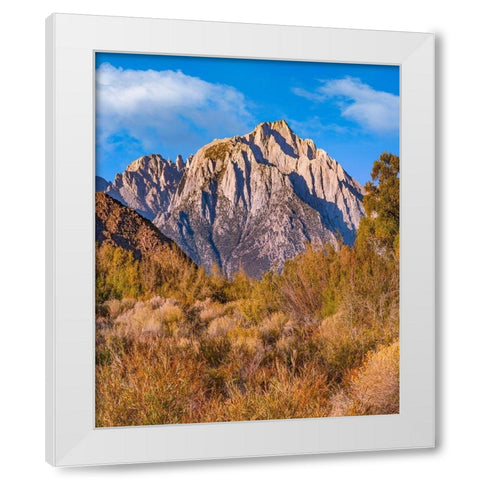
column 148, row 184
column 251, row 202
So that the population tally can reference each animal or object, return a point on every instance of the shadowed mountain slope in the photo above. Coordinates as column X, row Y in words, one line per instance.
column 123, row 227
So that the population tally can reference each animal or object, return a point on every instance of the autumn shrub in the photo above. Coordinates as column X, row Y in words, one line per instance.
column 210, row 310
column 214, row 350
column 116, row 307
column 240, row 286
column 171, row 315
column 374, row 388
column 272, row 327
column 247, row 347
column 339, row 346
column 252, row 310
column 221, row 326
column 153, row 383
column 141, row 319
column 275, row 394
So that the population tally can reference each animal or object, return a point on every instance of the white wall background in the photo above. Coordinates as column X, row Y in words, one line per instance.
column 22, row 233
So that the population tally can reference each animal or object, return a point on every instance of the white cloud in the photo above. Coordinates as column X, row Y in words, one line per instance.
column 160, row 107
column 374, row 110
column 313, row 96
column 314, row 127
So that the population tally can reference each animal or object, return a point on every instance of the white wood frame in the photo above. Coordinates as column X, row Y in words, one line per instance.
column 71, row 438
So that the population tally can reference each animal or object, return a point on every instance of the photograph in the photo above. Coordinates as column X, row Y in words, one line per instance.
column 247, row 239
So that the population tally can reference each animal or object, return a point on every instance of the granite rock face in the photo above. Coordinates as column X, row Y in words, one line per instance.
column 148, row 184
column 251, row 202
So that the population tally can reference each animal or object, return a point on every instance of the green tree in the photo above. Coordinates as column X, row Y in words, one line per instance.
column 380, row 227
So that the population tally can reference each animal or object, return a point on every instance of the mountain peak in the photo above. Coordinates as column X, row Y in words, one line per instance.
column 252, row 201
column 280, row 126
column 147, row 184
column 141, row 162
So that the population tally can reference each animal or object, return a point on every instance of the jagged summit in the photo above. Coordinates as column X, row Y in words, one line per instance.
column 280, row 126
column 147, row 184
column 150, row 162
column 262, row 130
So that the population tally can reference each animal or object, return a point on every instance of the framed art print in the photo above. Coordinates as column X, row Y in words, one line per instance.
column 240, row 240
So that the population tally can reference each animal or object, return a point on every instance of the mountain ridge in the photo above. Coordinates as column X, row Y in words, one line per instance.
column 246, row 202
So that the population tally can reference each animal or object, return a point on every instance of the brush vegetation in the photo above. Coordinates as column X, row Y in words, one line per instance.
column 177, row 345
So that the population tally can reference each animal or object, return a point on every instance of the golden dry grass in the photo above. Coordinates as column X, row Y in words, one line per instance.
column 374, row 388
column 153, row 367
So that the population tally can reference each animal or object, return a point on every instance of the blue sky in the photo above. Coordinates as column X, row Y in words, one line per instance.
column 174, row 105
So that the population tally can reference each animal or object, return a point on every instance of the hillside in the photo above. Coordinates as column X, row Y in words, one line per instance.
column 121, row 226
